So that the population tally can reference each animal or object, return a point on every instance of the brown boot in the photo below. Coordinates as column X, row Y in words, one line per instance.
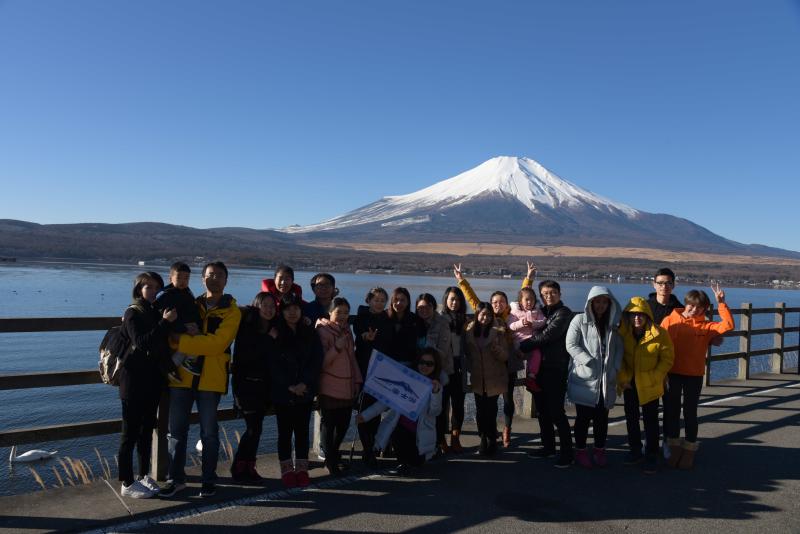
column 506, row 436
column 675, row 452
column 444, row 447
column 687, row 455
column 455, row 442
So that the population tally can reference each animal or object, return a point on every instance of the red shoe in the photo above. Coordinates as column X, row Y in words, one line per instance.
column 289, row 479
column 302, row 479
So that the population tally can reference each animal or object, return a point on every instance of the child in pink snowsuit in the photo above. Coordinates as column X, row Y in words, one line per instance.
column 524, row 320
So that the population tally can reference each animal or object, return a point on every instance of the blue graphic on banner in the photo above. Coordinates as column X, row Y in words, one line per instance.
column 396, row 385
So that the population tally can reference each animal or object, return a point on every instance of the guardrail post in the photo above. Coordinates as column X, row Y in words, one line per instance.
column 159, row 456
column 779, row 341
column 316, row 437
column 744, row 341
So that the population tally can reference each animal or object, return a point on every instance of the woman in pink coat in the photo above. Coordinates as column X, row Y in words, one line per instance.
column 339, row 382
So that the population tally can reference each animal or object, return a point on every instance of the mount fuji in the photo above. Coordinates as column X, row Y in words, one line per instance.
column 510, row 200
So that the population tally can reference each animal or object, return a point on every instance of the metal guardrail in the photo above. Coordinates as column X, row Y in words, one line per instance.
column 745, row 333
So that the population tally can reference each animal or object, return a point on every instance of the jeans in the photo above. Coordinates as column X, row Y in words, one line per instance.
column 689, row 388
column 180, row 406
column 649, row 412
column 550, row 408
column 138, row 422
column 486, row 415
column 586, row 414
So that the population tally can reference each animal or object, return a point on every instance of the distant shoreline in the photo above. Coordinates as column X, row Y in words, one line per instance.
column 267, row 270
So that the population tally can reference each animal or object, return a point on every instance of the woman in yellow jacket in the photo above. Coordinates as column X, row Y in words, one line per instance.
column 646, row 361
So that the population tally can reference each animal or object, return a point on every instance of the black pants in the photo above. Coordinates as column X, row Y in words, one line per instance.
column 486, row 415
column 598, row 416
column 293, row 420
column 452, row 398
column 508, row 400
column 248, row 445
column 367, row 430
column 686, row 389
column 138, row 422
column 333, row 427
column 649, row 412
column 404, row 442
column 550, row 408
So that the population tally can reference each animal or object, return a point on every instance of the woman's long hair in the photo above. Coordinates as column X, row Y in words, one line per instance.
column 458, row 318
column 479, row 330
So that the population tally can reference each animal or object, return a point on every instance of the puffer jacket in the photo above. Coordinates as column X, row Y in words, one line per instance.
column 646, row 360
column 426, row 424
column 218, row 329
column 487, row 363
column 595, row 360
column 250, row 369
column 298, row 359
column 340, row 378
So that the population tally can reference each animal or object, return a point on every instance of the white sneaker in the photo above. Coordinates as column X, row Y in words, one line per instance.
column 137, row 490
column 150, row 484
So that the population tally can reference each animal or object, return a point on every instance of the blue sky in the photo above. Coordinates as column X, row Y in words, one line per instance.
column 266, row 114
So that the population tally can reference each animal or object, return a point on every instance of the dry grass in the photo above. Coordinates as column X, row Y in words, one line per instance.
column 525, row 251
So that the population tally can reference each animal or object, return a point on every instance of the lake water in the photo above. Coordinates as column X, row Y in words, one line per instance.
column 68, row 290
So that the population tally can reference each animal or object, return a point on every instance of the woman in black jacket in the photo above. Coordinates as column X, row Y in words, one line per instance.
column 256, row 343
column 141, row 383
column 371, row 328
column 402, row 328
column 295, row 370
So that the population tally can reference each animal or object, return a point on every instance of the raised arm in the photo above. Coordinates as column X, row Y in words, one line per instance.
column 463, row 284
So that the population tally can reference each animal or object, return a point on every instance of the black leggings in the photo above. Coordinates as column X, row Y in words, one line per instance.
column 452, row 397
column 248, row 445
column 689, row 388
column 599, row 416
column 486, row 415
column 508, row 400
column 405, row 446
column 333, row 427
column 138, row 422
column 293, row 420
column 649, row 412
column 368, row 429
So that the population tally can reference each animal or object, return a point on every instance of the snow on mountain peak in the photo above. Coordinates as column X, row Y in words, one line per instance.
column 521, row 178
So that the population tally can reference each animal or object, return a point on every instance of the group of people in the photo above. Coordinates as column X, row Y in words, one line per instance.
column 283, row 353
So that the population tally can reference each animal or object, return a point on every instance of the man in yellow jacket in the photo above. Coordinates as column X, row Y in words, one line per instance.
column 646, row 361
column 220, row 318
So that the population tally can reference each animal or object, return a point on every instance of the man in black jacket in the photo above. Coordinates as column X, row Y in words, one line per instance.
column 662, row 301
column 552, row 377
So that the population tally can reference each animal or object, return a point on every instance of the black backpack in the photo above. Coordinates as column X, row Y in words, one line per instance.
column 114, row 348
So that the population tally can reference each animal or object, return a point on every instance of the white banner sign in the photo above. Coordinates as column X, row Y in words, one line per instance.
column 397, row 386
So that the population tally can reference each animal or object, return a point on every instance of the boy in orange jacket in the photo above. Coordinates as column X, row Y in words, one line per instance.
column 691, row 334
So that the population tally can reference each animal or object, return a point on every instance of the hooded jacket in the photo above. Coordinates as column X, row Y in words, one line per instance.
column 595, row 360
column 341, row 377
column 487, row 363
column 646, row 360
column 691, row 336
column 250, row 370
column 298, row 359
column 218, row 328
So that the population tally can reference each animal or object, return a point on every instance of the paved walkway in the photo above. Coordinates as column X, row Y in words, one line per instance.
column 746, row 479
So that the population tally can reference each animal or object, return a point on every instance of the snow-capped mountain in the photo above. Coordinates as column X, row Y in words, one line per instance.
column 521, row 179
column 515, row 201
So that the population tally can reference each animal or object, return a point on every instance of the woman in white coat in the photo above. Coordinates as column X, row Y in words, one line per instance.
column 596, row 350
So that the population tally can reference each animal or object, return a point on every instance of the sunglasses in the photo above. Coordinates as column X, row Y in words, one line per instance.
column 426, row 363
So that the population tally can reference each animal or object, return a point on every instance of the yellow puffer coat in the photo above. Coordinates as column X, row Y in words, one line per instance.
column 647, row 360
column 218, row 329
